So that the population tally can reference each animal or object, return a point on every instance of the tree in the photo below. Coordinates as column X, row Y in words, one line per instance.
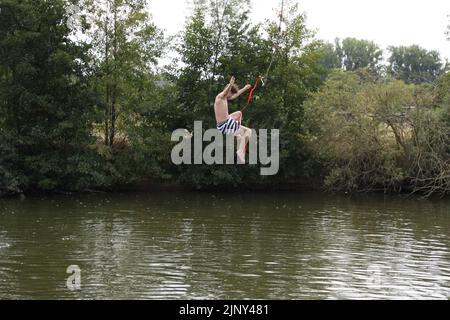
column 126, row 46
column 216, row 43
column 194, row 77
column 443, row 98
column 11, row 179
column 414, row 64
column 296, row 73
column 383, row 136
column 213, row 34
column 329, row 57
column 46, row 110
column 356, row 54
column 246, row 51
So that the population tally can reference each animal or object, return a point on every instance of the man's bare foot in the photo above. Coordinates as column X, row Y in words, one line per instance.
column 241, row 157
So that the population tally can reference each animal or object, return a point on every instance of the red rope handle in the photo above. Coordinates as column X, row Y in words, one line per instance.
column 250, row 96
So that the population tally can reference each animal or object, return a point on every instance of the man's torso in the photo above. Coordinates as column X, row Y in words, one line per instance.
column 221, row 110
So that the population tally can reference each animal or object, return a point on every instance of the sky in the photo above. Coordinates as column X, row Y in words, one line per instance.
column 386, row 22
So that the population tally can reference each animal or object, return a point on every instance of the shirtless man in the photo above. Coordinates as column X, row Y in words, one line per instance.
column 231, row 123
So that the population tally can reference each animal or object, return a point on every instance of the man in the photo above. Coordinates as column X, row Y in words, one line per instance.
column 231, row 123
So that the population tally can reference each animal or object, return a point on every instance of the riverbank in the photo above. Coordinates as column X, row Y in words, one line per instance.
column 164, row 187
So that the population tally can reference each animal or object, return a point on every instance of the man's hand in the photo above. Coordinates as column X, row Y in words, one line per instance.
column 226, row 91
column 236, row 95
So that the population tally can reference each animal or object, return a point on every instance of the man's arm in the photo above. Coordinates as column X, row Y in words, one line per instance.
column 224, row 93
column 243, row 90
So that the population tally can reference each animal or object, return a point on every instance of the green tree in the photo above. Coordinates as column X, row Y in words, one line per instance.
column 11, row 179
column 245, row 52
column 126, row 46
column 329, row 57
column 414, row 64
column 46, row 115
column 215, row 44
column 356, row 54
column 383, row 136
column 214, row 35
column 193, row 78
column 443, row 98
column 296, row 75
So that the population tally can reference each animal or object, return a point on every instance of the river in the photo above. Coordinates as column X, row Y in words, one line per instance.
column 225, row 246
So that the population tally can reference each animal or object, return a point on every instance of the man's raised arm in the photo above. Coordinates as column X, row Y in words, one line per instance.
column 243, row 90
column 226, row 91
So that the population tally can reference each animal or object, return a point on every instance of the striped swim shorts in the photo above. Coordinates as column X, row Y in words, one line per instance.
column 230, row 126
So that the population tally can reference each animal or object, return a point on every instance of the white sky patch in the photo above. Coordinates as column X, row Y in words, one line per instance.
column 386, row 22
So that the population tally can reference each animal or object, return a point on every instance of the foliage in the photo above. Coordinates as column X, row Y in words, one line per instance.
column 414, row 64
column 85, row 102
column 329, row 57
column 244, row 52
column 378, row 136
column 357, row 54
column 46, row 104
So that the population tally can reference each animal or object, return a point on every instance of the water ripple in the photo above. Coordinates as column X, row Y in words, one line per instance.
column 194, row 246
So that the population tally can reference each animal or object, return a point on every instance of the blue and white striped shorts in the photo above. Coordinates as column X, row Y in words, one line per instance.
column 230, row 126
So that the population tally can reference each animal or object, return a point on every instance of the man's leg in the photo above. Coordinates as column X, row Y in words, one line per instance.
column 236, row 116
column 243, row 137
column 240, row 135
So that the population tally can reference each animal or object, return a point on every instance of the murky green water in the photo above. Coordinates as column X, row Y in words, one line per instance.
column 263, row 246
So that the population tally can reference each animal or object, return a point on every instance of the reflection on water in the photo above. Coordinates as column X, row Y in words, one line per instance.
column 281, row 246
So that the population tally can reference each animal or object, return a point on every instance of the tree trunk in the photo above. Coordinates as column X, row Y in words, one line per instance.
column 107, row 91
column 107, row 117
column 114, row 86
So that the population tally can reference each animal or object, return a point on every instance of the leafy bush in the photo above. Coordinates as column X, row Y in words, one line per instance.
column 378, row 135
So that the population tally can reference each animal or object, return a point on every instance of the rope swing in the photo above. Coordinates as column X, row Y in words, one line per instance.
column 262, row 80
